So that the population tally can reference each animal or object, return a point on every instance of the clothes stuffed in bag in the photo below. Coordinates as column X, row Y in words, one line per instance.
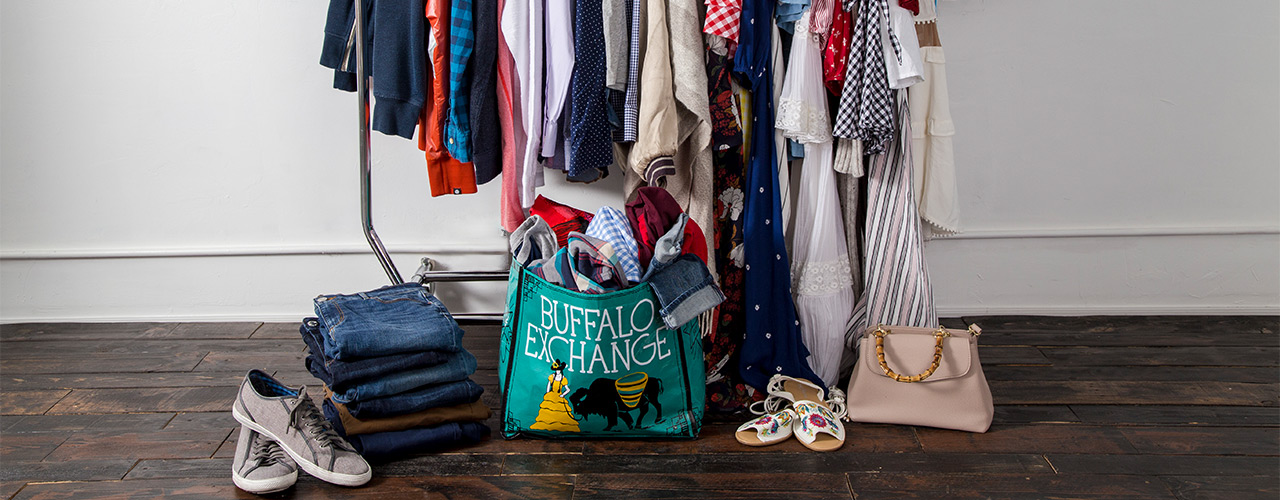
column 562, row 218
column 652, row 213
column 681, row 282
column 585, row 265
column 533, row 241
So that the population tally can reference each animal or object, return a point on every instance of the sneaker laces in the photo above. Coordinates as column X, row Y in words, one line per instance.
column 307, row 417
column 268, row 452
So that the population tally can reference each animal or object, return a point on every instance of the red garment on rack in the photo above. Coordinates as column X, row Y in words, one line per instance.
column 447, row 175
column 836, row 54
column 911, row 5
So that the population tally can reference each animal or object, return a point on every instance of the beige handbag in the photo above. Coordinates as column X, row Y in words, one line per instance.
column 944, row 386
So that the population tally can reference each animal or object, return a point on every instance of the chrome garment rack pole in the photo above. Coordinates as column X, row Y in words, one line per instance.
column 426, row 275
column 366, row 165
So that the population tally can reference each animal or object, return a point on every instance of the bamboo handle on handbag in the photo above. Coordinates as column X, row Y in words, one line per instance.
column 881, row 332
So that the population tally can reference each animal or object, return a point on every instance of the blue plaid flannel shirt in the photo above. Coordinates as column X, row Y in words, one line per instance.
column 462, row 40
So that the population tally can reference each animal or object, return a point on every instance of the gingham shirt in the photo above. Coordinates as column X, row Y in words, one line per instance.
column 611, row 225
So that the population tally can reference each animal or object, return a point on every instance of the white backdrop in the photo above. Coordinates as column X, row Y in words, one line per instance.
column 189, row 161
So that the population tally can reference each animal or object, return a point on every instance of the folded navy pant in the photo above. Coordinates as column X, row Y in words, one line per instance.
column 386, row 445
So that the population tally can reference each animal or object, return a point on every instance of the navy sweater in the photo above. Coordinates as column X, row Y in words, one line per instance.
column 395, row 56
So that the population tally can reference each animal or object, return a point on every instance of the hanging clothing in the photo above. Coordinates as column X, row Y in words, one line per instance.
column 897, row 280
column 836, row 54
column 771, row 343
column 820, row 274
column 617, row 42
column 656, row 144
column 462, row 39
column 726, row 391
column 866, row 104
column 511, row 210
column 907, row 69
column 560, row 60
column 523, row 29
column 932, row 131
column 447, row 174
column 486, row 129
column 722, row 19
column 631, row 98
column 393, row 52
column 590, row 145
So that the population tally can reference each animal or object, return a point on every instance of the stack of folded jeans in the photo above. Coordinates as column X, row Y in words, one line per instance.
column 397, row 378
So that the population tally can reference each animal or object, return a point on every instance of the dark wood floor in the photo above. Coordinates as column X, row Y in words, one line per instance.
column 1154, row 407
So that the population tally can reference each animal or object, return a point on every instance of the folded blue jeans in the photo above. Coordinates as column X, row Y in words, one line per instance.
column 423, row 398
column 386, row 445
column 684, row 288
column 390, row 320
column 459, row 366
column 340, row 374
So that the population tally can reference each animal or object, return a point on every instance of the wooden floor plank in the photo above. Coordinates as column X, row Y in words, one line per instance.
column 121, row 380
column 1134, row 393
column 1205, row 440
column 1266, row 375
column 1162, row 356
column 1164, row 465
column 131, row 422
column 56, row 348
column 221, row 330
column 1128, row 324
column 720, row 438
column 277, row 331
column 181, row 468
column 1113, row 339
column 777, row 463
column 30, row 447
column 380, row 488
column 1224, row 487
column 75, row 470
column 1011, row 356
column 29, row 402
column 82, row 331
column 932, row 485
column 10, row 488
column 101, row 363
column 447, row 464
column 180, row 399
column 1233, row 416
column 1026, row 414
column 202, row 421
column 711, row 486
column 1043, row 438
column 139, row 445
column 244, row 361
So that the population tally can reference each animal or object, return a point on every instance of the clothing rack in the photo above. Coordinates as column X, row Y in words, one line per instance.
column 426, row 273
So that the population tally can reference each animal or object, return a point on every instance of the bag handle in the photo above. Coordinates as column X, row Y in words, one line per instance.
column 938, row 336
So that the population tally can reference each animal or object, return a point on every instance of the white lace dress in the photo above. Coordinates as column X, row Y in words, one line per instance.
column 820, row 275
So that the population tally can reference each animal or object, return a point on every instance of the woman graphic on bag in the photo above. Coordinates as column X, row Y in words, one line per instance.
column 555, row 414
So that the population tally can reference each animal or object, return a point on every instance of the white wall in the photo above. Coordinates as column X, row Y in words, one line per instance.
column 188, row 160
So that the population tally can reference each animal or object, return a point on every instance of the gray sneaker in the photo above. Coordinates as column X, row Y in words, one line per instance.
column 260, row 465
column 289, row 417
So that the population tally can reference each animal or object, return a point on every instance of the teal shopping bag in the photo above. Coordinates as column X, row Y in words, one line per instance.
column 584, row 365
